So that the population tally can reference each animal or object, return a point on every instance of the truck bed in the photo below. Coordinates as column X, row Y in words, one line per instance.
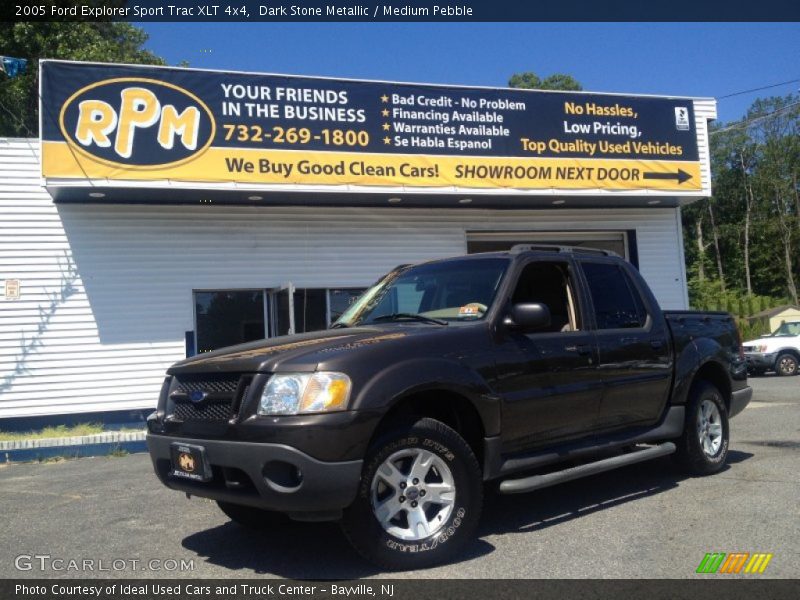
column 688, row 325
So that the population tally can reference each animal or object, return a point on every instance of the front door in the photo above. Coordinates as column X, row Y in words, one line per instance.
column 548, row 379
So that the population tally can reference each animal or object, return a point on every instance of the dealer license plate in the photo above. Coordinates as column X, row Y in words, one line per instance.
column 190, row 462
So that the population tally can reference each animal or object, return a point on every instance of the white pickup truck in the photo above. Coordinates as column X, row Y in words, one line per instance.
column 779, row 351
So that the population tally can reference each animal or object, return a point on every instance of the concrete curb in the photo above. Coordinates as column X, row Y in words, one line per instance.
column 107, row 437
column 83, row 445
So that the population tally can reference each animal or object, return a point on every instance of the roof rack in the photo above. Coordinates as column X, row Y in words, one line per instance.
column 520, row 248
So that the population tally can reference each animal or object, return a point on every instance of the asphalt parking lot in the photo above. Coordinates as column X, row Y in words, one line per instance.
column 646, row 521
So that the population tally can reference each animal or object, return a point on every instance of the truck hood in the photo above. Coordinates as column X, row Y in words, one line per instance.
column 302, row 352
column 774, row 343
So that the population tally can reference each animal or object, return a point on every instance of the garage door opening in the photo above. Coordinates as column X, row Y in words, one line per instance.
column 620, row 242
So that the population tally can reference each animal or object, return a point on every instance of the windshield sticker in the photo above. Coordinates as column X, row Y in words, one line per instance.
column 470, row 310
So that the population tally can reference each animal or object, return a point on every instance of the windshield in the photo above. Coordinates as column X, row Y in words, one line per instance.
column 787, row 329
column 453, row 290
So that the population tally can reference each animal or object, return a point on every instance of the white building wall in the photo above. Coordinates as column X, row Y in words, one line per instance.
column 106, row 291
column 704, row 111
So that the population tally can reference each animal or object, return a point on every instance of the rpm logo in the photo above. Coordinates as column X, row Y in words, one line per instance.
column 136, row 123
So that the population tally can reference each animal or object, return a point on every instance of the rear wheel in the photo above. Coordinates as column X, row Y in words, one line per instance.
column 786, row 365
column 251, row 517
column 420, row 497
column 703, row 447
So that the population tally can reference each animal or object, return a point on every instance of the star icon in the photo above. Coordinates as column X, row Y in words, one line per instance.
column 385, row 112
column 386, row 127
column 387, row 140
column 384, row 98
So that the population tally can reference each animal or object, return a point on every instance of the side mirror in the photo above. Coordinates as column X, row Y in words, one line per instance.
column 528, row 316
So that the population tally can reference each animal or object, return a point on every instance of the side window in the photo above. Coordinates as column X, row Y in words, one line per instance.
column 616, row 302
column 548, row 283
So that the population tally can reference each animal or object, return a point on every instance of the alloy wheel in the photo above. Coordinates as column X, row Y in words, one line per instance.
column 787, row 365
column 413, row 494
column 709, row 428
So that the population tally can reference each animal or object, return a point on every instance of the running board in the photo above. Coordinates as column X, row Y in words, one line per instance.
column 536, row 482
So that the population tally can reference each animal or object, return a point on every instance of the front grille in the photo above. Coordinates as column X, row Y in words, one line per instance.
column 749, row 348
column 206, row 383
column 220, row 404
column 216, row 411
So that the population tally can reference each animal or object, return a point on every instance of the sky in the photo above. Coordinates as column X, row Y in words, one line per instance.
column 684, row 59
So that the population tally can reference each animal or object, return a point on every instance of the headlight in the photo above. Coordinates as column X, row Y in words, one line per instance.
column 295, row 393
column 762, row 348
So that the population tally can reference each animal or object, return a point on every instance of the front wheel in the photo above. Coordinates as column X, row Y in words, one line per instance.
column 786, row 365
column 703, row 447
column 420, row 497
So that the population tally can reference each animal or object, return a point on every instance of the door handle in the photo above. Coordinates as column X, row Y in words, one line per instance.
column 656, row 344
column 579, row 348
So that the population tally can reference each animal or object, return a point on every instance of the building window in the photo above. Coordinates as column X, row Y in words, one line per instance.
column 310, row 311
column 314, row 308
column 228, row 317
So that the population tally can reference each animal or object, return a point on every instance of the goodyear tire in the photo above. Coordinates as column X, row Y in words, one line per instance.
column 786, row 365
column 420, row 497
column 703, row 447
column 251, row 517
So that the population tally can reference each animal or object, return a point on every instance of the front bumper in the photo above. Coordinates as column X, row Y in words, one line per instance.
column 739, row 400
column 758, row 360
column 264, row 475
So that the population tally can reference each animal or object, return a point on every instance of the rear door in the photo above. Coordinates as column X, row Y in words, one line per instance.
column 634, row 352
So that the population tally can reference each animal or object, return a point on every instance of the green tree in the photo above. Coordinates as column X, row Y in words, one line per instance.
column 745, row 238
column 98, row 42
column 777, row 180
column 557, row 81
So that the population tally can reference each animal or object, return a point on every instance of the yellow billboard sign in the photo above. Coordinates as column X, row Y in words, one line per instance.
column 135, row 123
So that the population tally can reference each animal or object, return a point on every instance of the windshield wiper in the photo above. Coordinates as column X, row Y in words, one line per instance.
column 339, row 326
column 409, row 316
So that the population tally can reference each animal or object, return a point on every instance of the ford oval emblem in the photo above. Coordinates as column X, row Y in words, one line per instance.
column 197, row 396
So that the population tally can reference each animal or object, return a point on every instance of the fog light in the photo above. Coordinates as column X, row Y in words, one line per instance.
column 282, row 476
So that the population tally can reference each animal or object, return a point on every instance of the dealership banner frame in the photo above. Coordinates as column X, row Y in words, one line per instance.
column 156, row 126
